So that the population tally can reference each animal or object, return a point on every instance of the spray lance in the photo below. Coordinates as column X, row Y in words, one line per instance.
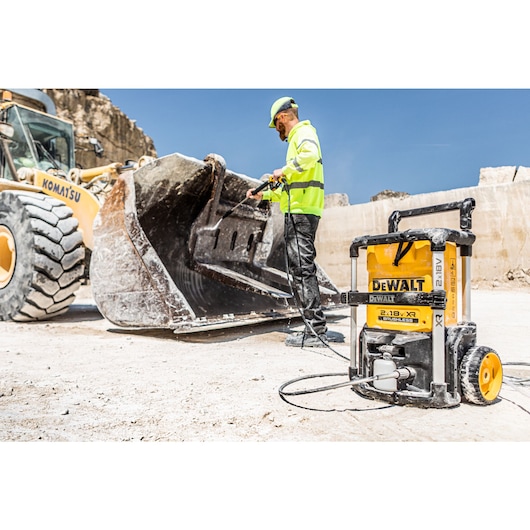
column 270, row 182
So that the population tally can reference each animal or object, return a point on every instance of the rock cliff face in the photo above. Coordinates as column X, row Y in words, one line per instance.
column 94, row 115
column 389, row 194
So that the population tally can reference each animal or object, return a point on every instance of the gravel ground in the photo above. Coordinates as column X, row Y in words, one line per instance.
column 81, row 379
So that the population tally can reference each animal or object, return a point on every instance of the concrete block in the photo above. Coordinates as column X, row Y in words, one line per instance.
column 496, row 175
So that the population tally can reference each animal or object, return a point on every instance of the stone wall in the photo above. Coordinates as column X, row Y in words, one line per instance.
column 501, row 253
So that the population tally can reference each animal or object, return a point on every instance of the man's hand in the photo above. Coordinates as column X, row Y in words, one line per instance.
column 277, row 174
column 257, row 197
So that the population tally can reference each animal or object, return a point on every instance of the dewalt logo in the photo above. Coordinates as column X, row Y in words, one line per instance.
column 397, row 285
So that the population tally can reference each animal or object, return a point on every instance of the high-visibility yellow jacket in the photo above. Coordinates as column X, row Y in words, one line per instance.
column 303, row 189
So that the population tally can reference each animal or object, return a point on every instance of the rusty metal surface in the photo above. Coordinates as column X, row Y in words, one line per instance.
column 158, row 263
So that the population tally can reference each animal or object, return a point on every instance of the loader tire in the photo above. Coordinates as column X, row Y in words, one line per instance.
column 480, row 375
column 41, row 256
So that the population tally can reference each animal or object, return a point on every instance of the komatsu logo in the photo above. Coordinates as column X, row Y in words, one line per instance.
column 398, row 285
column 68, row 192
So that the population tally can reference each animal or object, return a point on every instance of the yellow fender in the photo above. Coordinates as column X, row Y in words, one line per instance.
column 83, row 203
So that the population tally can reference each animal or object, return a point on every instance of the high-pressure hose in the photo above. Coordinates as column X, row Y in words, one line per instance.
column 293, row 290
column 399, row 374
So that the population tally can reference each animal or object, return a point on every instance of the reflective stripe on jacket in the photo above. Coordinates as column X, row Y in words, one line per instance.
column 303, row 191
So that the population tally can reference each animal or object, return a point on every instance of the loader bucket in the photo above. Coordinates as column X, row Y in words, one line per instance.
column 159, row 260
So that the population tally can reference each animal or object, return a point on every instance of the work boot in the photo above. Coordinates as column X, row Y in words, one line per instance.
column 303, row 339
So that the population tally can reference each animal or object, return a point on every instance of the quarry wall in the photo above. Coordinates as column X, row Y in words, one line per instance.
column 500, row 222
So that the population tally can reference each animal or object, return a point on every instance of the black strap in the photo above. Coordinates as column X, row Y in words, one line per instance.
column 401, row 252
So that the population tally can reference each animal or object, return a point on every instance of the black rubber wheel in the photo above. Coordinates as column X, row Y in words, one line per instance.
column 41, row 256
column 480, row 375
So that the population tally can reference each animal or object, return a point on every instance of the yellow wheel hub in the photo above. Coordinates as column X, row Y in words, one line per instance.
column 7, row 256
column 490, row 376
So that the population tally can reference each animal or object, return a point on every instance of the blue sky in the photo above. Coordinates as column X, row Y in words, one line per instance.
column 405, row 96
column 412, row 140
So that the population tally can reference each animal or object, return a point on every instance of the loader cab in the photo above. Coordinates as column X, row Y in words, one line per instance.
column 39, row 141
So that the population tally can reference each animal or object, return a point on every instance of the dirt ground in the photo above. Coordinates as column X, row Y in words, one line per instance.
column 81, row 379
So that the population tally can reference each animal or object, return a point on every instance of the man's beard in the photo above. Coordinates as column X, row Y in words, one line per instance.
column 281, row 132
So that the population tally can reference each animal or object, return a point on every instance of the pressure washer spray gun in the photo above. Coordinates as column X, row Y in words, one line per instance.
column 270, row 182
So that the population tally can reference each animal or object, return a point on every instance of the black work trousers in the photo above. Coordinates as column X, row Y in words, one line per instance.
column 300, row 231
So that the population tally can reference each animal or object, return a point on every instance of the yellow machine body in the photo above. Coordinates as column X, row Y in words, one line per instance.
column 83, row 203
column 413, row 273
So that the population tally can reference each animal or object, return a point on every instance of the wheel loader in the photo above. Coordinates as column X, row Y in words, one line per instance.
column 164, row 242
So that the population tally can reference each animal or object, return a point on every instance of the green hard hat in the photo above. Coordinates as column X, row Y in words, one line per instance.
column 279, row 105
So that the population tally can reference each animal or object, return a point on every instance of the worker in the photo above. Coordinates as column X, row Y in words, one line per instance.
column 300, row 192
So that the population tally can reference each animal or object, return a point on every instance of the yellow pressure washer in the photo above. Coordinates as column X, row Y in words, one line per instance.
column 413, row 350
